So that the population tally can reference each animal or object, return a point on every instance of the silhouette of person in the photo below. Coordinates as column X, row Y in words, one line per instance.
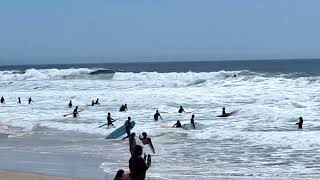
column 300, row 123
column 156, row 116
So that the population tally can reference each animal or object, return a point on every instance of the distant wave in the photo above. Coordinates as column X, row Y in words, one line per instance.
column 55, row 74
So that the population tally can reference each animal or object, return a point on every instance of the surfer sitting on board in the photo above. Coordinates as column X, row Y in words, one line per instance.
column 127, row 124
column 132, row 142
column 157, row 115
column 75, row 112
column 2, row 99
column 137, row 165
column 110, row 120
column 177, row 125
column 145, row 140
column 300, row 123
column 181, row 110
column 70, row 104
column 192, row 122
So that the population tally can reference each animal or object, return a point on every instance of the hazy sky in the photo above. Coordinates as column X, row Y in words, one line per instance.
column 65, row 31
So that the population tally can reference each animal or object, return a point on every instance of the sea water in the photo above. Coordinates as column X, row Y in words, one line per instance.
column 260, row 141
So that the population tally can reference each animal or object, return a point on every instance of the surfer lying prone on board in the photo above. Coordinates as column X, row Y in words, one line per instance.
column 145, row 140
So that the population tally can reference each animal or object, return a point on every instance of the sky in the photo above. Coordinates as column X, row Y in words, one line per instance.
column 81, row 31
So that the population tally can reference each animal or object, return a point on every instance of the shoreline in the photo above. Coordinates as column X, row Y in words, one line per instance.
column 14, row 175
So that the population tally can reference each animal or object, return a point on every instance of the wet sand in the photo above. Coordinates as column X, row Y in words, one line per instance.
column 11, row 175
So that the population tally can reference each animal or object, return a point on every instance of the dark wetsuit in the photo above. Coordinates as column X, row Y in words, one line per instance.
column 192, row 123
column 300, row 124
column 128, row 128
column 70, row 104
column 19, row 100
column 156, row 116
column 2, row 100
column 138, row 168
column 75, row 112
column 110, row 121
column 181, row 110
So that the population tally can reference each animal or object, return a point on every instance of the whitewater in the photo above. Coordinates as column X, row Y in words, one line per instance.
column 260, row 141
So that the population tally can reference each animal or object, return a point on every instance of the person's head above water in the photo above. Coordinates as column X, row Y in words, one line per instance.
column 300, row 118
column 76, row 107
column 138, row 150
column 133, row 134
column 192, row 116
column 108, row 114
column 129, row 118
column 157, row 111
column 223, row 109
column 144, row 134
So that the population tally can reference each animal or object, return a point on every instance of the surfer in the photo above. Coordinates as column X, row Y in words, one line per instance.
column 110, row 120
column 75, row 112
column 224, row 111
column 125, row 108
column 30, row 100
column 192, row 122
column 145, row 140
column 121, row 108
column 2, row 100
column 137, row 165
column 19, row 100
column 157, row 115
column 127, row 125
column 92, row 103
column 97, row 101
column 300, row 123
column 70, row 104
column 132, row 142
column 177, row 125
column 181, row 109
column 119, row 175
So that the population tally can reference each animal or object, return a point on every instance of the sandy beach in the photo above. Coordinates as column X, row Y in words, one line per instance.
column 10, row 175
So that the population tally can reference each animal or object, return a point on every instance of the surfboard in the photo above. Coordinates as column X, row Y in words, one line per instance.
column 227, row 114
column 120, row 131
column 70, row 113
column 166, row 126
column 188, row 126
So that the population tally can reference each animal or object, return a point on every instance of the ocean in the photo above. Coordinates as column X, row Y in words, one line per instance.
column 260, row 141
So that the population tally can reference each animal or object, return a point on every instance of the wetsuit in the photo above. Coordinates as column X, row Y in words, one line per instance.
column 192, row 123
column 300, row 124
column 70, row 104
column 110, row 121
column 75, row 112
column 181, row 110
column 156, row 116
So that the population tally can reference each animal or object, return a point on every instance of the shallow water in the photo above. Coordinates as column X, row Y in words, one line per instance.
column 260, row 141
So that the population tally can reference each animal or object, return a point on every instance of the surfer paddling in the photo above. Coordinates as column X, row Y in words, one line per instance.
column 145, row 140
column 300, row 123
column 157, row 115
